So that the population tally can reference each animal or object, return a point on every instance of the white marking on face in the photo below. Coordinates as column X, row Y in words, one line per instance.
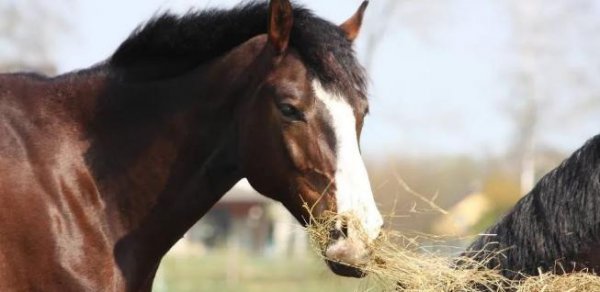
column 353, row 189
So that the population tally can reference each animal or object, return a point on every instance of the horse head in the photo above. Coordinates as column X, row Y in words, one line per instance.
column 300, row 131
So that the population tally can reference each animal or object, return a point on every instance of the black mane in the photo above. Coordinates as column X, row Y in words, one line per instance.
column 168, row 44
column 552, row 226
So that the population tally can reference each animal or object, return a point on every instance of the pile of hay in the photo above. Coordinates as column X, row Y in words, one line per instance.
column 565, row 283
column 400, row 264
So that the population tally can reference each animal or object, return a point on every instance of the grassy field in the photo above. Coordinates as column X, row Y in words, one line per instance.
column 225, row 271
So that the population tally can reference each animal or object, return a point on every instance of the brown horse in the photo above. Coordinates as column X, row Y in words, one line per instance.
column 103, row 170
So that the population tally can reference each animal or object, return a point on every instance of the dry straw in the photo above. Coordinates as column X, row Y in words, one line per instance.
column 400, row 263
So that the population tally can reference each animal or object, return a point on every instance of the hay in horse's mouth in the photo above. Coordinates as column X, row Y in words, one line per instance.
column 400, row 263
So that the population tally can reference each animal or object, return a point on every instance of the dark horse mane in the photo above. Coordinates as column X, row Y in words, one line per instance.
column 554, row 226
column 169, row 44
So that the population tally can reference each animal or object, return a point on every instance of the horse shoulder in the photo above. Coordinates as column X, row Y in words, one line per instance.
column 50, row 208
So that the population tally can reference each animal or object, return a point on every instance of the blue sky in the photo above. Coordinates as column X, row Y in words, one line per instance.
column 440, row 92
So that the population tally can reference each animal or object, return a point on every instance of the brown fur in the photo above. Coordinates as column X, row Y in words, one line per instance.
column 100, row 173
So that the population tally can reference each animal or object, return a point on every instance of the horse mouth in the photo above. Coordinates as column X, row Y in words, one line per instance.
column 344, row 270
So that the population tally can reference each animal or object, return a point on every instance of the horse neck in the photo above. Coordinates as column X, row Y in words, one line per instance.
column 164, row 152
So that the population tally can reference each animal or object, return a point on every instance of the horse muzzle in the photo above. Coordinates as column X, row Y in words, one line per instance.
column 347, row 255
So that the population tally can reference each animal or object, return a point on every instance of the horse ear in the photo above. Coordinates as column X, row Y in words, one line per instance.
column 281, row 19
column 352, row 26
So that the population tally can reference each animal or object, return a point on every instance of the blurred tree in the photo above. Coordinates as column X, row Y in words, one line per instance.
column 553, row 66
column 556, row 69
column 554, row 77
column 28, row 29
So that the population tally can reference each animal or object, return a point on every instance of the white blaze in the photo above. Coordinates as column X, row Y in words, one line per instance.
column 353, row 194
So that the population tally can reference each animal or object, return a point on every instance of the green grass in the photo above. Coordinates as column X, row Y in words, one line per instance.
column 225, row 271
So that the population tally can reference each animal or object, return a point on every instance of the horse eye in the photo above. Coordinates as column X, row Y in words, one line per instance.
column 291, row 112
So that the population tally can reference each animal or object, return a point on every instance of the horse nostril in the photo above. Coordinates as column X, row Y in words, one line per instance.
column 339, row 232
column 336, row 234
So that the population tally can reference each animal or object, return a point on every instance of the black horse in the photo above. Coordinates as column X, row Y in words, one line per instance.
column 554, row 228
